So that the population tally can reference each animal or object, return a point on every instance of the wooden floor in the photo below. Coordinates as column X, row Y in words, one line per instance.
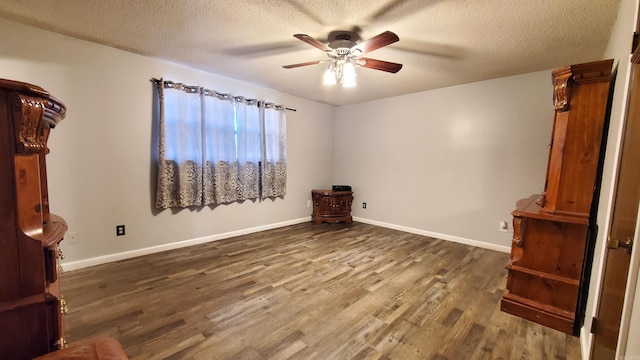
column 308, row 291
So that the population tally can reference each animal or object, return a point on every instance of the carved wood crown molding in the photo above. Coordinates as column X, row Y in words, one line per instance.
column 24, row 88
column 561, row 91
column 563, row 79
column 54, row 111
column 35, row 117
column 29, row 111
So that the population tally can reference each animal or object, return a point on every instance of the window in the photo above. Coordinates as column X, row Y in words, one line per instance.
column 216, row 148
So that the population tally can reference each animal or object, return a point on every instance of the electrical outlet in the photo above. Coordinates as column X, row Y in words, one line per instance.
column 72, row 238
column 503, row 226
column 119, row 230
column 364, row 205
column 308, row 203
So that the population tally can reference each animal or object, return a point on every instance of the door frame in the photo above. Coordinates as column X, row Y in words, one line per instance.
column 631, row 298
column 632, row 292
column 634, row 265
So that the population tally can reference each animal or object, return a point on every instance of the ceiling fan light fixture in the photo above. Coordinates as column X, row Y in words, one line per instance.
column 344, row 55
column 329, row 77
column 349, row 70
column 348, row 78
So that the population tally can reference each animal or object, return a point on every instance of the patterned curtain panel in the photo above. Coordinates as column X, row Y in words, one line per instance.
column 232, row 149
column 220, row 149
column 180, row 155
column 274, row 150
column 215, row 148
column 248, row 148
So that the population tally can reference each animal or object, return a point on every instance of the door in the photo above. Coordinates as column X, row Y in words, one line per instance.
column 621, row 230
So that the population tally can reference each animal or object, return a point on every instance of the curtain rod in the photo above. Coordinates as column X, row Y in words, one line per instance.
column 157, row 81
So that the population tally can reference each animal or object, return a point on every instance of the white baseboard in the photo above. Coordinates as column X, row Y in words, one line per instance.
column 79, row 264
column 476, row 243
column 73, row 265
column 585, row 343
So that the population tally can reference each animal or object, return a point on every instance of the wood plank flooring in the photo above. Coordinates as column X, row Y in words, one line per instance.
column 341, row 291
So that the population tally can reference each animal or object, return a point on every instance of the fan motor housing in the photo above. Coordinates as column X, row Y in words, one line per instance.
column 342, row 46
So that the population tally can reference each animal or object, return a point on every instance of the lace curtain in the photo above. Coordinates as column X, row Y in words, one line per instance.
column 215, row 148
column 179, row 147
column 274, row 152
column 232, row 149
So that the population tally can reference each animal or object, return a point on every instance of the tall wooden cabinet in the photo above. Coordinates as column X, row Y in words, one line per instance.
column 31, row 306
column 553, row 234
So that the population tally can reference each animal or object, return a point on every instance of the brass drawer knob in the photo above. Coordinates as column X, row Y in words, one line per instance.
column 61, row 343
column 63, row 306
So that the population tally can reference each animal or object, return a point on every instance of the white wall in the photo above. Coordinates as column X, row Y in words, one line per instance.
column 100, row 170
column 448, row 162
column 619, row 49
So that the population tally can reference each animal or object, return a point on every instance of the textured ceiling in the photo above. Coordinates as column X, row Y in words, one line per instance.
column 442, row 42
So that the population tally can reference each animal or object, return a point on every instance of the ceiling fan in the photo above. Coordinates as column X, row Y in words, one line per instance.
column 345, row 55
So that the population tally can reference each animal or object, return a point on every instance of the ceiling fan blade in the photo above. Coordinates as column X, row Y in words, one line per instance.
column 380, row 65
column 313, row 42
column 376, row 42
column 301, row 64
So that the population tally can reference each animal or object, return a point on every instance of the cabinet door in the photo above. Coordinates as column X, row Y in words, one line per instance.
column 341, row 206
column 580, row 97
column 34, row 320
column 326, row 204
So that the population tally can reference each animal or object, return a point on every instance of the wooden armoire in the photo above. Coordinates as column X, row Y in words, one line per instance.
column 549, row 267
column 31, row 306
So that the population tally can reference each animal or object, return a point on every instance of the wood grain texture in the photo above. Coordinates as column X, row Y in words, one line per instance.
column 340, row 291
column 30, row 306
column 554, row 236
column 581, row 94
column 331, row 206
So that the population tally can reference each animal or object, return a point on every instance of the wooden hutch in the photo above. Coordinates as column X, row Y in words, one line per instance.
column 553, row 235
column 31, row 306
